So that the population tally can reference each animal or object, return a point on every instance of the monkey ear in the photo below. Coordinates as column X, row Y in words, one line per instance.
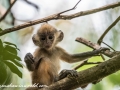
column 35, row 39
column 61, row 35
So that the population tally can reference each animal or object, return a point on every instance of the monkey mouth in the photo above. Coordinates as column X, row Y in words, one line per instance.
column 47, row 46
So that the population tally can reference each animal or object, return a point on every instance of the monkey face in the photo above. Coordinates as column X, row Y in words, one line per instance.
column 44, row 40
column 47, row 36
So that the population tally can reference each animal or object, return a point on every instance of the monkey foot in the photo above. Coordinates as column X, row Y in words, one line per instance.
column 65, row 72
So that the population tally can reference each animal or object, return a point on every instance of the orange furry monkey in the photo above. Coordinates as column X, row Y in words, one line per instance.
column 44, row 63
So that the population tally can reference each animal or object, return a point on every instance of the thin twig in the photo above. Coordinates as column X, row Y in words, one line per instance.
column 102, row 56
column 80, row 65
column 85, row 63
column 108, row 29
column 56, row 16
column 108, row 46
column 70, row 9
column 3, row 17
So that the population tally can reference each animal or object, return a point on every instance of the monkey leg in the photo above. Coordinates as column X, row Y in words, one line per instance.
column 65, row 72
column 45, row 72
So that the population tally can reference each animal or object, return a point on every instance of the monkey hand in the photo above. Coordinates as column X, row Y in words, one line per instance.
column 64, row 73
column 29, row 58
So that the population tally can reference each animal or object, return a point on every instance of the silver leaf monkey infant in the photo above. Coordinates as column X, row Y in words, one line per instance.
column 44, row 63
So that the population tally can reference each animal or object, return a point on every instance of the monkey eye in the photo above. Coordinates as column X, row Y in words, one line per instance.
column 50, row 37
column 43, row 38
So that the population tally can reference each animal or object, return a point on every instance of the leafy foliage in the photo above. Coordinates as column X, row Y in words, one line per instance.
column 0, row 29
column 13, row 68
column 9, row 59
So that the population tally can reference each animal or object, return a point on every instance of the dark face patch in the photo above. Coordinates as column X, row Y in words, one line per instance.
column 46, row 40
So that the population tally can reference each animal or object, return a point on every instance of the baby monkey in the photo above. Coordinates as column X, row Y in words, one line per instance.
column 44, row 64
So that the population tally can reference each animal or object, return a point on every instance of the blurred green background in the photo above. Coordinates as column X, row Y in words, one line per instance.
column 89, row 27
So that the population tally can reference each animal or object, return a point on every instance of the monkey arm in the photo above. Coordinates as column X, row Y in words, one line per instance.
column 71, row 58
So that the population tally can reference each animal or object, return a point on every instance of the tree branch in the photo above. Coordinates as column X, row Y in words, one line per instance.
column 7, row 11
column 95, row 46
column 107, row 30
column 88, row 76
column 59, row 16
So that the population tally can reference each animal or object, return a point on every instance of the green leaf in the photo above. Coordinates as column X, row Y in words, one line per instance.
column 16, row 63
column 13, row 68
column 1, row 58
column 10, row 49
column 10, row 56
column 3, row 73
column 1, row 30
column 9, row 43
column 1, row 46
